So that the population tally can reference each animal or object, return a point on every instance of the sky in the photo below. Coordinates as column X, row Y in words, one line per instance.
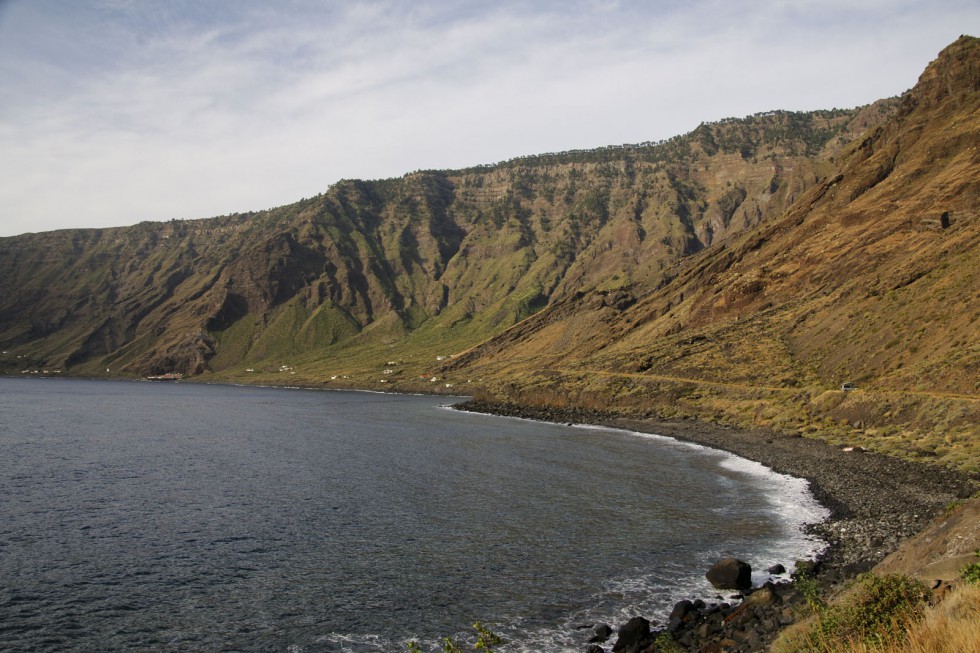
column 117, row 111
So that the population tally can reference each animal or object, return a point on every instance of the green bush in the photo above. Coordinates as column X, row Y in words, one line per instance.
column 666, row 644
column 486, row 639
column 971, row 572
column 807, row 586
column 877, row 614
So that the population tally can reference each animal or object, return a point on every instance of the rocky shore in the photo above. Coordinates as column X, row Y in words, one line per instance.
column 875, row 501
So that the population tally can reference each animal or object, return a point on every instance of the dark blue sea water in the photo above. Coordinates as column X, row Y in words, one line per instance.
column 185, row 517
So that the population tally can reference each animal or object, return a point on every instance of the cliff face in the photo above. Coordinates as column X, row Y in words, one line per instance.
column 369, row 263
column 739, row 273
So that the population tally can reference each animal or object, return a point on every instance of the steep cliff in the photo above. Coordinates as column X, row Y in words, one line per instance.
column 464, row 254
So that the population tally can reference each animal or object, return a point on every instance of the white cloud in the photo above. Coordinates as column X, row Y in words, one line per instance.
column 216, row 107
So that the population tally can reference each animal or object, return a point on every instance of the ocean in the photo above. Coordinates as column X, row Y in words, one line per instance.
column 187, row 517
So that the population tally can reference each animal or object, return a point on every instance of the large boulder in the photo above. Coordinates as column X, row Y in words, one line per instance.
column 730, row 574
column 632, row 632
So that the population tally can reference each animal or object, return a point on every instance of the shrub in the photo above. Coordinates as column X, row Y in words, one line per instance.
column 486, row 639
column 952, row 626
column 666, row 644
column 971, row 572
column 807, row 586
column 879, row 613
column 875, row 616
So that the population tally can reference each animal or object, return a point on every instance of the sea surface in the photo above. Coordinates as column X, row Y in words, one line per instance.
column 186, row 517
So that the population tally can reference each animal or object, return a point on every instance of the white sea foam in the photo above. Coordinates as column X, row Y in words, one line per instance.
column 791, row 502
column 653, row 594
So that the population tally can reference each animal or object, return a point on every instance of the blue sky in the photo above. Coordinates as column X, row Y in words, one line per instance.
column 117, row 111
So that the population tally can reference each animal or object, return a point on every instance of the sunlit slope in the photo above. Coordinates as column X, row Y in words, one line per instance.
column 872, row 276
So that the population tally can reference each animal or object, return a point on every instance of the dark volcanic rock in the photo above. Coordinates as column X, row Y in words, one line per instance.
column 683, row 612
column 632, row 632
column 601, row 633
column 762, row 596
column 730, row 573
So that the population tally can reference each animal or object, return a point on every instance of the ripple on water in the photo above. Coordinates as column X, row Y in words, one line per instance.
column 180, row 517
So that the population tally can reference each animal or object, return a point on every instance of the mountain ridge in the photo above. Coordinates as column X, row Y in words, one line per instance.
column 650, row 279
column 388, row 244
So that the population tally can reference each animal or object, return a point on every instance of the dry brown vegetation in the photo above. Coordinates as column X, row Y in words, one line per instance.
column 872, row 277
column 949, row 625
column 952, row 626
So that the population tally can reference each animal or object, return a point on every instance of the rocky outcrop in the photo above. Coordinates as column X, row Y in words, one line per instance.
column 730, row 574
column 602, row 632
column 632, row 635
column 743, row 624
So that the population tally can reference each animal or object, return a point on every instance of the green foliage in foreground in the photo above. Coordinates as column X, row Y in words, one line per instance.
column 808, row 587
column 971, row 572
column 666, row 644
column 485, row 641
column 877, row 614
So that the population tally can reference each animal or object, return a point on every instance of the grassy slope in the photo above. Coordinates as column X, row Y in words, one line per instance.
column 411, row 269
column 859, row 281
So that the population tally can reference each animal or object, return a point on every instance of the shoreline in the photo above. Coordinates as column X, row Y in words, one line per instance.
column 860, row 488
column 875, row 502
